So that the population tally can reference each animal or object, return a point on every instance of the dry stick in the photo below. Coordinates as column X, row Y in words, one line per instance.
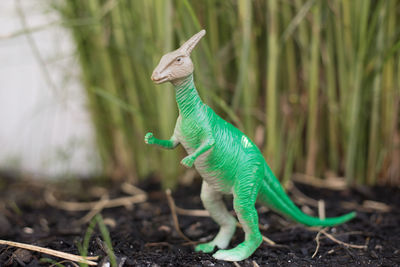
column 236, row 264
column 268, row 241
column 333, row 183
column 321, row 215
column 96, row 209
column 196, row 213
column 130, row 189
column 375, row 205
column 51, row 252
column 82, row 206
column 367, row 206
column 171, row 204
column 331, row 237
column 300, row 197
column 318, row 244
column 321, row 209
column 255, row 264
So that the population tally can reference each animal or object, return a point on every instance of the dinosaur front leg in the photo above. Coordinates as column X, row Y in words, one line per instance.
column 212, row 201
column 206, row 145
column 245, row 194
column 168, row 144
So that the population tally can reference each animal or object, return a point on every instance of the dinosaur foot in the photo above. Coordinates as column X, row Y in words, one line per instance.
column 238, row 253
column 206, row 247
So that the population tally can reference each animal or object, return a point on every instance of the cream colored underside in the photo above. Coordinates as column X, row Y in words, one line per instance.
column 213, row 178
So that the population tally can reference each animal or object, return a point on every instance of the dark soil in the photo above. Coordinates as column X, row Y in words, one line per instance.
column 145, row 235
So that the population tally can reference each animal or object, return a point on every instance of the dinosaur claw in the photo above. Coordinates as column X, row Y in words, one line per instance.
column 187, row 162
column 148, row 139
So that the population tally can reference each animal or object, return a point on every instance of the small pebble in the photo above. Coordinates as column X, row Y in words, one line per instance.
column 164, row 228
column 110, row 222
column 28, row 230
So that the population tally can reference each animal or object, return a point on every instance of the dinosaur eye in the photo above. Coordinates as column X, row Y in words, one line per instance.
column 179, row 59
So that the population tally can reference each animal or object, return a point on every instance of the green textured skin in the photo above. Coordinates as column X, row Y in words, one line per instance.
column 229, row 163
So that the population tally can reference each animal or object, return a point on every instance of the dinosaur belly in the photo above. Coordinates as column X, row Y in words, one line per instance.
column 207, row 170
column 218, row 165
column 214, row 176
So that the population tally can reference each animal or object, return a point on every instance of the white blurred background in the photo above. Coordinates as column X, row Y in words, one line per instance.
column 44, row 126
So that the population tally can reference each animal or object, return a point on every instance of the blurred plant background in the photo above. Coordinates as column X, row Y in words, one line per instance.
column 316, row 84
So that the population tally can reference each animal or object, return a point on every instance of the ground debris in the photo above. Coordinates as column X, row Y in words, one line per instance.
column 147, row 234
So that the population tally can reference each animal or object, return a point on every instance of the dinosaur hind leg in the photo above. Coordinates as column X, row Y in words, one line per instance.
column 212, row 201
column 245, row 195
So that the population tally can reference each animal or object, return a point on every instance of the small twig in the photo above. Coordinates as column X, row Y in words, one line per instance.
column 95, row 210
column 333, row 183
column 331, row 237
column 375, row 205
column 131, row 189
column 236, row 264
column 51, row 252
column 255, row 264
column 321, row 209
column 171, row 204
column 367, row 206
column 318, row 244
column 82, row 206
column 300, row 197
column 197, row 213
column 268, row 241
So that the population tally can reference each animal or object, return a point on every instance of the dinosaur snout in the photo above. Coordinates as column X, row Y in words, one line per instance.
column 154, row 75
column 158, row 77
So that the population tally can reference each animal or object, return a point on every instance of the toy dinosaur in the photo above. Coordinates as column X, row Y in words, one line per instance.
column 227, row 160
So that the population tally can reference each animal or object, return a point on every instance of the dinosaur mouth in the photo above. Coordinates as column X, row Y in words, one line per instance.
column 159, row 80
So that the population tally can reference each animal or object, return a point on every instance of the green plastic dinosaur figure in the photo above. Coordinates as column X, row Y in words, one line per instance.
column 227, row 160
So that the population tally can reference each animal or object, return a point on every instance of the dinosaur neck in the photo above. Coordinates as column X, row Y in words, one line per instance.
column 187, row 98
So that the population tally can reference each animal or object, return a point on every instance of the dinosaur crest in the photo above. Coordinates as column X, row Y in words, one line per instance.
column 190, row 44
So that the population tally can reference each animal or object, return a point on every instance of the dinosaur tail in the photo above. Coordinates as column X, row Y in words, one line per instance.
column 272, row 194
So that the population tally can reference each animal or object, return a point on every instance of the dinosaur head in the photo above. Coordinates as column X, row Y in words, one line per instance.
column 176, row 65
